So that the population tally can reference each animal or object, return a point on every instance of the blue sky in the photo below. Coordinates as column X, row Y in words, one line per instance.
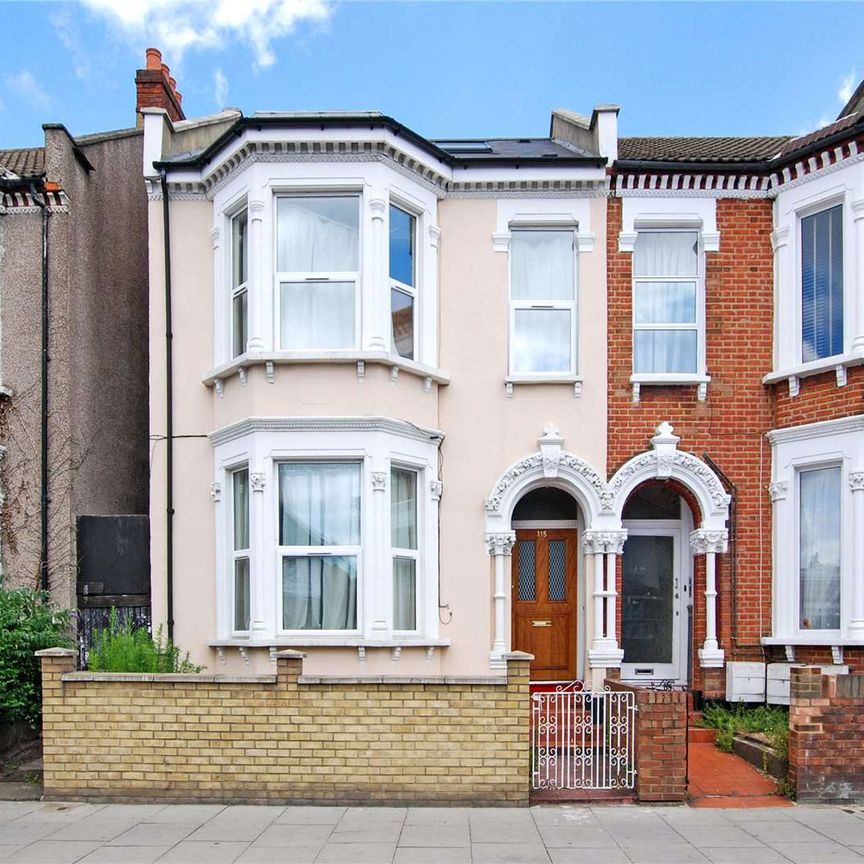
column 446, row 69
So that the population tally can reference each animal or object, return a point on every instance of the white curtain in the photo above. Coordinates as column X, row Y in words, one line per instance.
column 319, row 504
column 319, row 593
column 404, row 594
column 819, row 549
column 317, row 315
column 541, row 340
column 541, row 265
column 318, row 235
column 403, row 508
column 665, row 302
column 666, row 253
column 664, row 351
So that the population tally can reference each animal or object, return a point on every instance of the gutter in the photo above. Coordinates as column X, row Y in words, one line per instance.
column 37, row 194
column 169, row 409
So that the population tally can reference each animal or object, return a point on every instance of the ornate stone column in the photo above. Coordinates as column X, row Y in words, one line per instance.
column 375, row 285
column 856, row 483
column 380, row 525
column 604, row 651
column 257, row 517
column 500, row 546
column 858, row 328
column 709, row 544
column 260, row 290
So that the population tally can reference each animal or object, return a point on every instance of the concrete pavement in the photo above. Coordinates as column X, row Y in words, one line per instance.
column 55, row 833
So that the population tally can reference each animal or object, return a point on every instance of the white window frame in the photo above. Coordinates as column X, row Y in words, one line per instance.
column 698, row 326
column 236, row 291
column 376, row 443
column 236, row 554
column 319, row 551
column 396, row 284
column 520, row 305
column 311, row 278
column 829, row 444
column 414, row 554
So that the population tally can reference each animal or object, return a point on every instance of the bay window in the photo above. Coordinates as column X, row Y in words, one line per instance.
column 542, row 302
column 404, row 543
column 318, row 263
column 403, row 281
column 822, row 284
column 319, row 544
column 667, row 287
column 240, row 548
column 239, row 283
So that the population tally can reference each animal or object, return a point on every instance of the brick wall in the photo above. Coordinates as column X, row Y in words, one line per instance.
column 285, row 738
column 819, row 398
column 826, row 747
column 661, row 742
column 729, row 426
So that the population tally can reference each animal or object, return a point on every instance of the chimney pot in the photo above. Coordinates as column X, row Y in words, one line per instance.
column 179, row 96
column 165, row 70
column 173, row 82
column 154, row 58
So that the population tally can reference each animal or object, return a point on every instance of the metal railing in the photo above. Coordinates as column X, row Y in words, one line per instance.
column 583, row 739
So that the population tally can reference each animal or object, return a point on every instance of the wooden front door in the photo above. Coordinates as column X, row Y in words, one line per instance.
column 545, row 601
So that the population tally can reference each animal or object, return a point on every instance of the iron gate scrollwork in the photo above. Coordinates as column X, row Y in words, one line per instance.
column 583, row 739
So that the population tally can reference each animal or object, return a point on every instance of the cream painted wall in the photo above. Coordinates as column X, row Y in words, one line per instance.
column 484, row 430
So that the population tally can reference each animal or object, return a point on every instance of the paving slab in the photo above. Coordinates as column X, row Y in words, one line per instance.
column 718, row 836
column 310, row 816
column 420, row 855
column 153, row 834
column 664, row 853
column 757, row 855
column 96, row 827
column 577, row 837
column 588, row 856
column 279, row 855
column 54, row 852
column 125, row 855
column 825, row 852
column 782, row 832
column 509, row 853
column 385, row 832
column 184, row 814
column 294, row 835
column 6, row 851
column 356, row 853
column 435, row 836
column 190, row 852
column 10, row 810
column 437, row 816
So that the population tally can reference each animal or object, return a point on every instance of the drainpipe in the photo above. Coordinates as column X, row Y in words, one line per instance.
column 169, row 409
column 38, row 198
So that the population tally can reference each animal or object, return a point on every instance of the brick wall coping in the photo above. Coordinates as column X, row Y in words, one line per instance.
column 387, row 679
column 166, row 678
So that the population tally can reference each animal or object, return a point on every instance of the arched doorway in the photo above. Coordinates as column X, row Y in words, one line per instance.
column 547, row 603
column 656, row 585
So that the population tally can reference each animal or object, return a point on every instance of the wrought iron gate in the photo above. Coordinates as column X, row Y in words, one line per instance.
column 582, row 739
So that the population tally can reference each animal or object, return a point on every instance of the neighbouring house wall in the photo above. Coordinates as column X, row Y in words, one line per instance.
column 826, row 748
column 729, row 425
column 661, row 742
column 819, row 399
column 273, row 738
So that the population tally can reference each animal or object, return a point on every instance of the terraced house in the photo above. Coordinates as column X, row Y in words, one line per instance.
column 424, row 401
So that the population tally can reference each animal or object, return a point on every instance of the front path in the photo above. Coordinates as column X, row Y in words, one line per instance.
column 188, row 834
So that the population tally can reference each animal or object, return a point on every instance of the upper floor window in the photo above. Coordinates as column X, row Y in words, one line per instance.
column 403, row 280
column 240, row 547
column 822, row 284
column 239, row 283
column 404, row 545
column 319, row 544
column 666, row 300
column 542, row 302
column 318, row 263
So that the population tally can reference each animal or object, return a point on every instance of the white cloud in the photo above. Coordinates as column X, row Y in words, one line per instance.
column 27, row 87
column 176, row 26
column 847, row 87
column 220, row 88
column 66, row 27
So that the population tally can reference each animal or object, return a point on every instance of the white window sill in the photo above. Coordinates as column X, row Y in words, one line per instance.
column 814, row 639
column 670, row 379
column 313, row 641
column 270, row 360
column 837, row 364
column 565, row 378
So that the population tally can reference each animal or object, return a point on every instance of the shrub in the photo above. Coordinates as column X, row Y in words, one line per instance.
column 28, row 623
column 771, row 720
column 122, row 648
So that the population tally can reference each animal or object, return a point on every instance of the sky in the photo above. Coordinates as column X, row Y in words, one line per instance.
column 442, row 67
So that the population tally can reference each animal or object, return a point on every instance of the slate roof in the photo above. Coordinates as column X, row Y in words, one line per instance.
column 25, row 162
column 509, row 148
column 659, row 149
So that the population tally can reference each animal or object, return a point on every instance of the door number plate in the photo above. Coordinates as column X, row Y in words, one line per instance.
column 543, row 622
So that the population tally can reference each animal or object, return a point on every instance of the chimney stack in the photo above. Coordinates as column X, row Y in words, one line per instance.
column 155, row 88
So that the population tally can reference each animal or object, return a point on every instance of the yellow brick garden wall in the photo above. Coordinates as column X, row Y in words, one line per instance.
column 285, row 738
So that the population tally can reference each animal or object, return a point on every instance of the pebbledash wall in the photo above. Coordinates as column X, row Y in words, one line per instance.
column 285, row 737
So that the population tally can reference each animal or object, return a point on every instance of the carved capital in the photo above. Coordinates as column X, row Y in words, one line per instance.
column 377, row 207
column 216, row 492
column 599, row 542
column 501, row 543
column 256, row 210
column 703, row 541
column 257, row 481
column 379, row 481
column 856, row 481
column 436, row 487
column 434, row 235
column 778, row 491
column 215, row 234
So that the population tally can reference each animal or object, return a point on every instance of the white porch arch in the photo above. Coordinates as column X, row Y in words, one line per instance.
column 602, row 505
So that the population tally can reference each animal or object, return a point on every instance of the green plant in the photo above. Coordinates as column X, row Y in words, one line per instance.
column 121, row 648
column 28, row 623
column 772, row 721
